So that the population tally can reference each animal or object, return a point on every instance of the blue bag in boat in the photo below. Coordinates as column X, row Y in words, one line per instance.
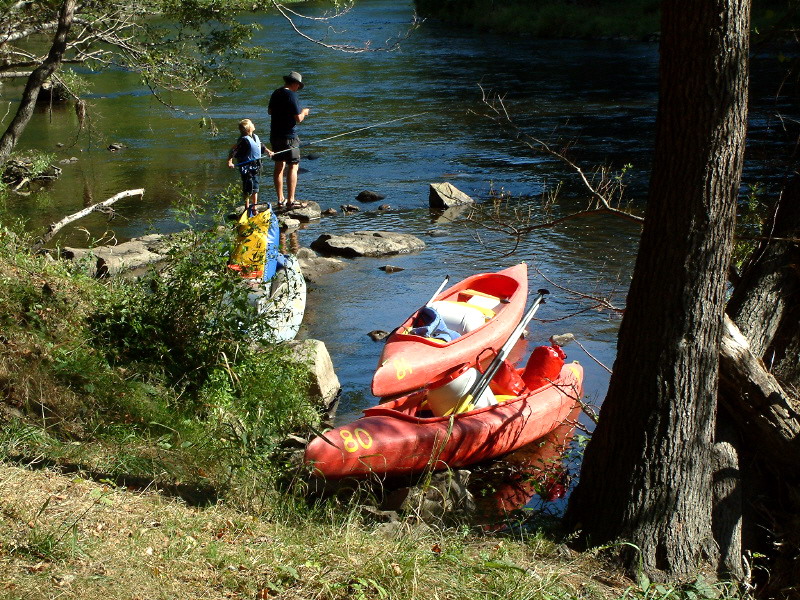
column 431, row 325
column 274, row 258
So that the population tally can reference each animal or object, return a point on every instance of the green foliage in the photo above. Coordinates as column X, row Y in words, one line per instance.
column 23, row 168
column 155, row 377
column 699, row 589
column 183, row 319
column 260, row 401
column 750, row 218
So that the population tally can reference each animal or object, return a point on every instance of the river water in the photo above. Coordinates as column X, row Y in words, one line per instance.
column 598, row 96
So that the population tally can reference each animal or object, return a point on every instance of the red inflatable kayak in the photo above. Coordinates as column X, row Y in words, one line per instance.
column 483, row 309
column 400, row 437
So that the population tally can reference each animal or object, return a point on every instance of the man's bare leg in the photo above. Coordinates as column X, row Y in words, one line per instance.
column 277, row 179
column 291, row 181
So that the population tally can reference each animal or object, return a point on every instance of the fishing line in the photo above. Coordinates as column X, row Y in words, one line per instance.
column 338, row 135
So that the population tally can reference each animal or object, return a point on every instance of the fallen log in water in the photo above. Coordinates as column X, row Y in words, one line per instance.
column 56, row 227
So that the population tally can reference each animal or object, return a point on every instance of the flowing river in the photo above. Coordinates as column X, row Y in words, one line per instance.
column 598, row 96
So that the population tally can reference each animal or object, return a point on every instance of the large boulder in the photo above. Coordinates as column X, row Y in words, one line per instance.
column 367, row 243
column 112, row 260
column 324, row 384
column 314, row 266
column 445, row 195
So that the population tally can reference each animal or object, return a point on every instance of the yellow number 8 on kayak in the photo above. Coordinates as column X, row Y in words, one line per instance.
column 359, row 437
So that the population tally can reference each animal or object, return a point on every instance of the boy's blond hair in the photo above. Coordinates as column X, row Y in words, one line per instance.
column 246, row 126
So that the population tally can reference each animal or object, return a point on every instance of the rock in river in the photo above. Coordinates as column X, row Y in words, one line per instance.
column 445, row 195
column 368, row 196
column 367, row 243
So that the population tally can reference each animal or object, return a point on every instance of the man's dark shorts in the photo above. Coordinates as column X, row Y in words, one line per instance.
column 291, row 145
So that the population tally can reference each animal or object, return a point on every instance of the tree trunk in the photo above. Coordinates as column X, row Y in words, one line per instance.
column 766, row 302
column 647, row 473
column 766, row 306
column 41, row 74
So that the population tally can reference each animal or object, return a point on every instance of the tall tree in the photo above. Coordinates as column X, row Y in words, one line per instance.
column 37, row 78
column 647, row 473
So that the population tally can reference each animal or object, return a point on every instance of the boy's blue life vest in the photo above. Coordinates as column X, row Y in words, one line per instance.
column 248, row 154
column 429, row 324
column 275, row 260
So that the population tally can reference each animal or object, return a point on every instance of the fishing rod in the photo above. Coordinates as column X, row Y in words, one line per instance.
column 338, row 135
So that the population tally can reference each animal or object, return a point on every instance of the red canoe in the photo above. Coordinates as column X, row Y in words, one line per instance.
column 391, row 439
column 408, row 362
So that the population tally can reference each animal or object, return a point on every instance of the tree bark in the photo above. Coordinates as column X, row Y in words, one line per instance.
column 727, row 512
column 766, row 302
column 766, row 408
column 41, row 74
column 767, row 416
column 647, row 473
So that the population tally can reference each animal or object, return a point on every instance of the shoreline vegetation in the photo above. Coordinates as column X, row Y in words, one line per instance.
column 130, row 471
column 633, row 20
column 134, row 467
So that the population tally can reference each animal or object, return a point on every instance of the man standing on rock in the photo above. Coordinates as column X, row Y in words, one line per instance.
column 286, row 112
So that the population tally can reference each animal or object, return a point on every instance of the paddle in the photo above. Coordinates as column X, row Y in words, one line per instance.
column 479, row 387
column 439, row 291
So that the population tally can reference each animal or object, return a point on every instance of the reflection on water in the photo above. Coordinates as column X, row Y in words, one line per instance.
column 536, row 477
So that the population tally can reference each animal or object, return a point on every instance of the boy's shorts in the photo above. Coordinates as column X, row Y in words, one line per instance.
column 291, row 145
column 249, row 184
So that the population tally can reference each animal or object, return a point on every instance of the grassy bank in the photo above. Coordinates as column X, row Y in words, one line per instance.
column 141, row 457
column 573, row 19
column 152, row 379
column 66, row 535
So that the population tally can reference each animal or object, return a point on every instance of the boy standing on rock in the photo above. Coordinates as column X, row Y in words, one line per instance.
column 247, row 150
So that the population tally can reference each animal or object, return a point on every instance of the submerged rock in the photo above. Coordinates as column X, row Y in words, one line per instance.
column 368, row 196
column 310, row 212
column 314, row 265
column 378, row 335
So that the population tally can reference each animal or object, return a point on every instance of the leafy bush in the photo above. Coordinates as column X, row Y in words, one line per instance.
column 261, row 400
column 155, row 376
column 183, row 319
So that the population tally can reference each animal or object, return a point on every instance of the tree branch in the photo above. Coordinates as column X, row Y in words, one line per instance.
column 603, row 193
column 286, row 13
column 56, row 227
column 37, row 78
